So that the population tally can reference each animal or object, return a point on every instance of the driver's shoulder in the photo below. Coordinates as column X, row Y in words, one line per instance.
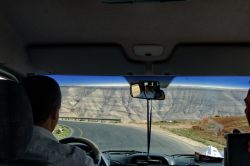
column 73, row 154
column 54, row 147
column 54, row 152
column 43, row 142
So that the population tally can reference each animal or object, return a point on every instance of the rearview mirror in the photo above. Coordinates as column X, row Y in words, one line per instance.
column 147, row 90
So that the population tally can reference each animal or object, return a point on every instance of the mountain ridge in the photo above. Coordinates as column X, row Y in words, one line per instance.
column 180, row 103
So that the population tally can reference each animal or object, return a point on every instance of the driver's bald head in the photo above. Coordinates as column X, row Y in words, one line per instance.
column 45, row 96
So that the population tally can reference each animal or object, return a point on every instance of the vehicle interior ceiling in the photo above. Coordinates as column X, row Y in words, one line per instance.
column 90, row 37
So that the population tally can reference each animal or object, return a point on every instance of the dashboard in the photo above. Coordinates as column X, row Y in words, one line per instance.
column 134, row 158
column 137, row 158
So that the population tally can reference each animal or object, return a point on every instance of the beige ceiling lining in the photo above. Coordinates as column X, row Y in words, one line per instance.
column 90, row 21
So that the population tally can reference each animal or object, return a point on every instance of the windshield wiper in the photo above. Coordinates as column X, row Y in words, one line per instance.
column 179, row 155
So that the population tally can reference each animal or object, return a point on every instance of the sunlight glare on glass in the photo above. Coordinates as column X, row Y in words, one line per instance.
column 1, row 78
column 214, row 82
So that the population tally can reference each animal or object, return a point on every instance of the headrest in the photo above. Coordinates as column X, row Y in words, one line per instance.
column 16, row 121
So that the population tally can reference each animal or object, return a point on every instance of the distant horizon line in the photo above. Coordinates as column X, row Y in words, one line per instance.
column 208, row 86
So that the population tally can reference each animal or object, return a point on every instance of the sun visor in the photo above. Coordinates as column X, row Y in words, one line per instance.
column 207, row 60
column 84, row 60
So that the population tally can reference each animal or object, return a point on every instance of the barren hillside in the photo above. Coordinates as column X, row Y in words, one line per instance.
column 180, row 103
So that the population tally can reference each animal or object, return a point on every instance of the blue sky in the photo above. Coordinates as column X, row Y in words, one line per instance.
column 233, row 82
column 211, row 81
column 90, row 80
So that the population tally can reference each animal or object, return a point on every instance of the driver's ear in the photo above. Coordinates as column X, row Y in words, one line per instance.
column 55, row 115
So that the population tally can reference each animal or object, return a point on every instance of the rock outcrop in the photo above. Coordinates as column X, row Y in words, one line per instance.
column 180, row 103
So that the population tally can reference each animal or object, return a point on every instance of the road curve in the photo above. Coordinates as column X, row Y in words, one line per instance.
column 118, row 137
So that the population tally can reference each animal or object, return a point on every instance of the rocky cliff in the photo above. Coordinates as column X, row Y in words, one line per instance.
column 180, row 103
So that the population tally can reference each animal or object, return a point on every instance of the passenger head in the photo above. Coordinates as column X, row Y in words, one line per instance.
column 247, row 110
column 45, row 98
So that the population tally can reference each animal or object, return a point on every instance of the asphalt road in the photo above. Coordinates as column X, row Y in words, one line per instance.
column 118, row 137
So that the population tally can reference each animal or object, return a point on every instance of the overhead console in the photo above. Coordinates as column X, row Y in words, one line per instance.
column 103, row 59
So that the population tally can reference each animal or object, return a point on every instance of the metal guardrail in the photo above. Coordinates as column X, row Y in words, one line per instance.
column 102, row 120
